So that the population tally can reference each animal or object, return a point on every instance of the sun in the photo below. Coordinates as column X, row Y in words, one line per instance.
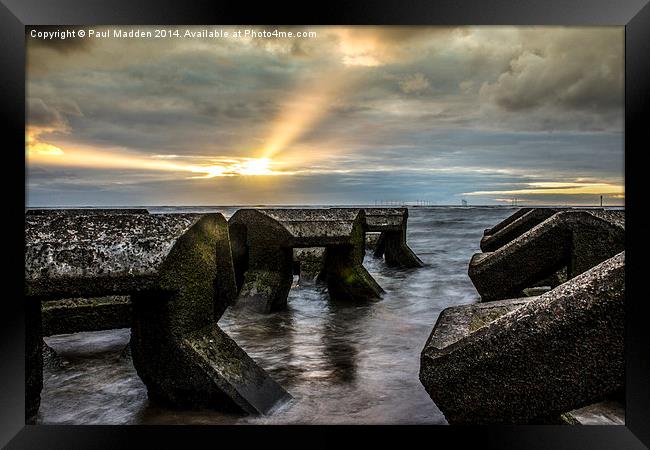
column 255, row 166
column 245, row 166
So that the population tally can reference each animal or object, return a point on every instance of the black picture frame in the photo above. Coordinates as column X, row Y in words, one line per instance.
column 633, row 14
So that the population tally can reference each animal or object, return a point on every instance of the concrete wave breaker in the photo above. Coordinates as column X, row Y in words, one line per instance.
column 529, row 361
column 575, row 239
column 508, row 220
column 391, row 223
column 514, row 226
column 309, row 264
column 74, row 315
column 262, row 245
column 177, row 269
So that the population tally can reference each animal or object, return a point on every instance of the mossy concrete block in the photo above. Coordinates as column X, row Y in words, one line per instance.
column 577, row 240
column 178, row 272
column 457, row 322
column 234, row 372
column 265, row 290
column 93, row 255
column 315, row 225
column 263, row 243
column 347, row 278
column 560, row 351
column 86, row 314
column 386, row 219
column 225, row 287
column 396, row 252
column 391, row 244
column 372, row 239
column 183, row 312
column 310, row 262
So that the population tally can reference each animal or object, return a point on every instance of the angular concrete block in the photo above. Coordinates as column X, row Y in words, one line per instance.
column 508, row 220
column 234, row 372
column 93, row 255
column 263, row 243
column 178, row 272
column 577, row 240
column 457, row 322
column 391, row 244
column 560, row 351
column 310, row 263
column 75, row 315
column 511, row 228
column 372, row 239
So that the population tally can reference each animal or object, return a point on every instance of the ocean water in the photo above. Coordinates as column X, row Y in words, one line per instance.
column 342, row 363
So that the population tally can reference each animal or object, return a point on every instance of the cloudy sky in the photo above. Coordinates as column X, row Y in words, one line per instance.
column 353, row 115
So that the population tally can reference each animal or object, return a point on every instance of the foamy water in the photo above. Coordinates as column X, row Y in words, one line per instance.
column 342, row 363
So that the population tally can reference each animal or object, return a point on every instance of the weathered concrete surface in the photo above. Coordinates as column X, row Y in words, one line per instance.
column 84, row 211
column 457, row 322
column 92, row 255
column 178, row 272
column 346, row 277
column 554, row 280
column 186, row 367
column 197, row 364
column 391, row 245
column 515, row 227
column 607, row 412
column 372, row 239
column 558, row 352
column 225, row 286
column 507, row 221
column 263, row 241
column 310, row 263
column 237, row 375
column 86, row 314
column 577, row 240
column 534, row 291
column 51, row 359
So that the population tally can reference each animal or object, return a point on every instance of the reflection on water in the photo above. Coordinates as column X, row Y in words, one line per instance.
column 342, row 363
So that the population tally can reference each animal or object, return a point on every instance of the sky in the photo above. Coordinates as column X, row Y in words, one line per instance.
column 348, row 115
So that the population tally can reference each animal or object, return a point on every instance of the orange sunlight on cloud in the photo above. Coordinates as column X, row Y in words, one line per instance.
column 559, row 188
column 104, row 159
column 309, row 105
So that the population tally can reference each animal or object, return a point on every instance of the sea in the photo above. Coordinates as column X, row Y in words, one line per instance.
column 342, row 363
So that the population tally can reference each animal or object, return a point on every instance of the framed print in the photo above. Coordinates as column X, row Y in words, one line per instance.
column 356, row 219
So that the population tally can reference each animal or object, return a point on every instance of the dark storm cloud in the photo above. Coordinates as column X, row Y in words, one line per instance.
column 41, row 115
column 175, row 105
column 579, row 70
